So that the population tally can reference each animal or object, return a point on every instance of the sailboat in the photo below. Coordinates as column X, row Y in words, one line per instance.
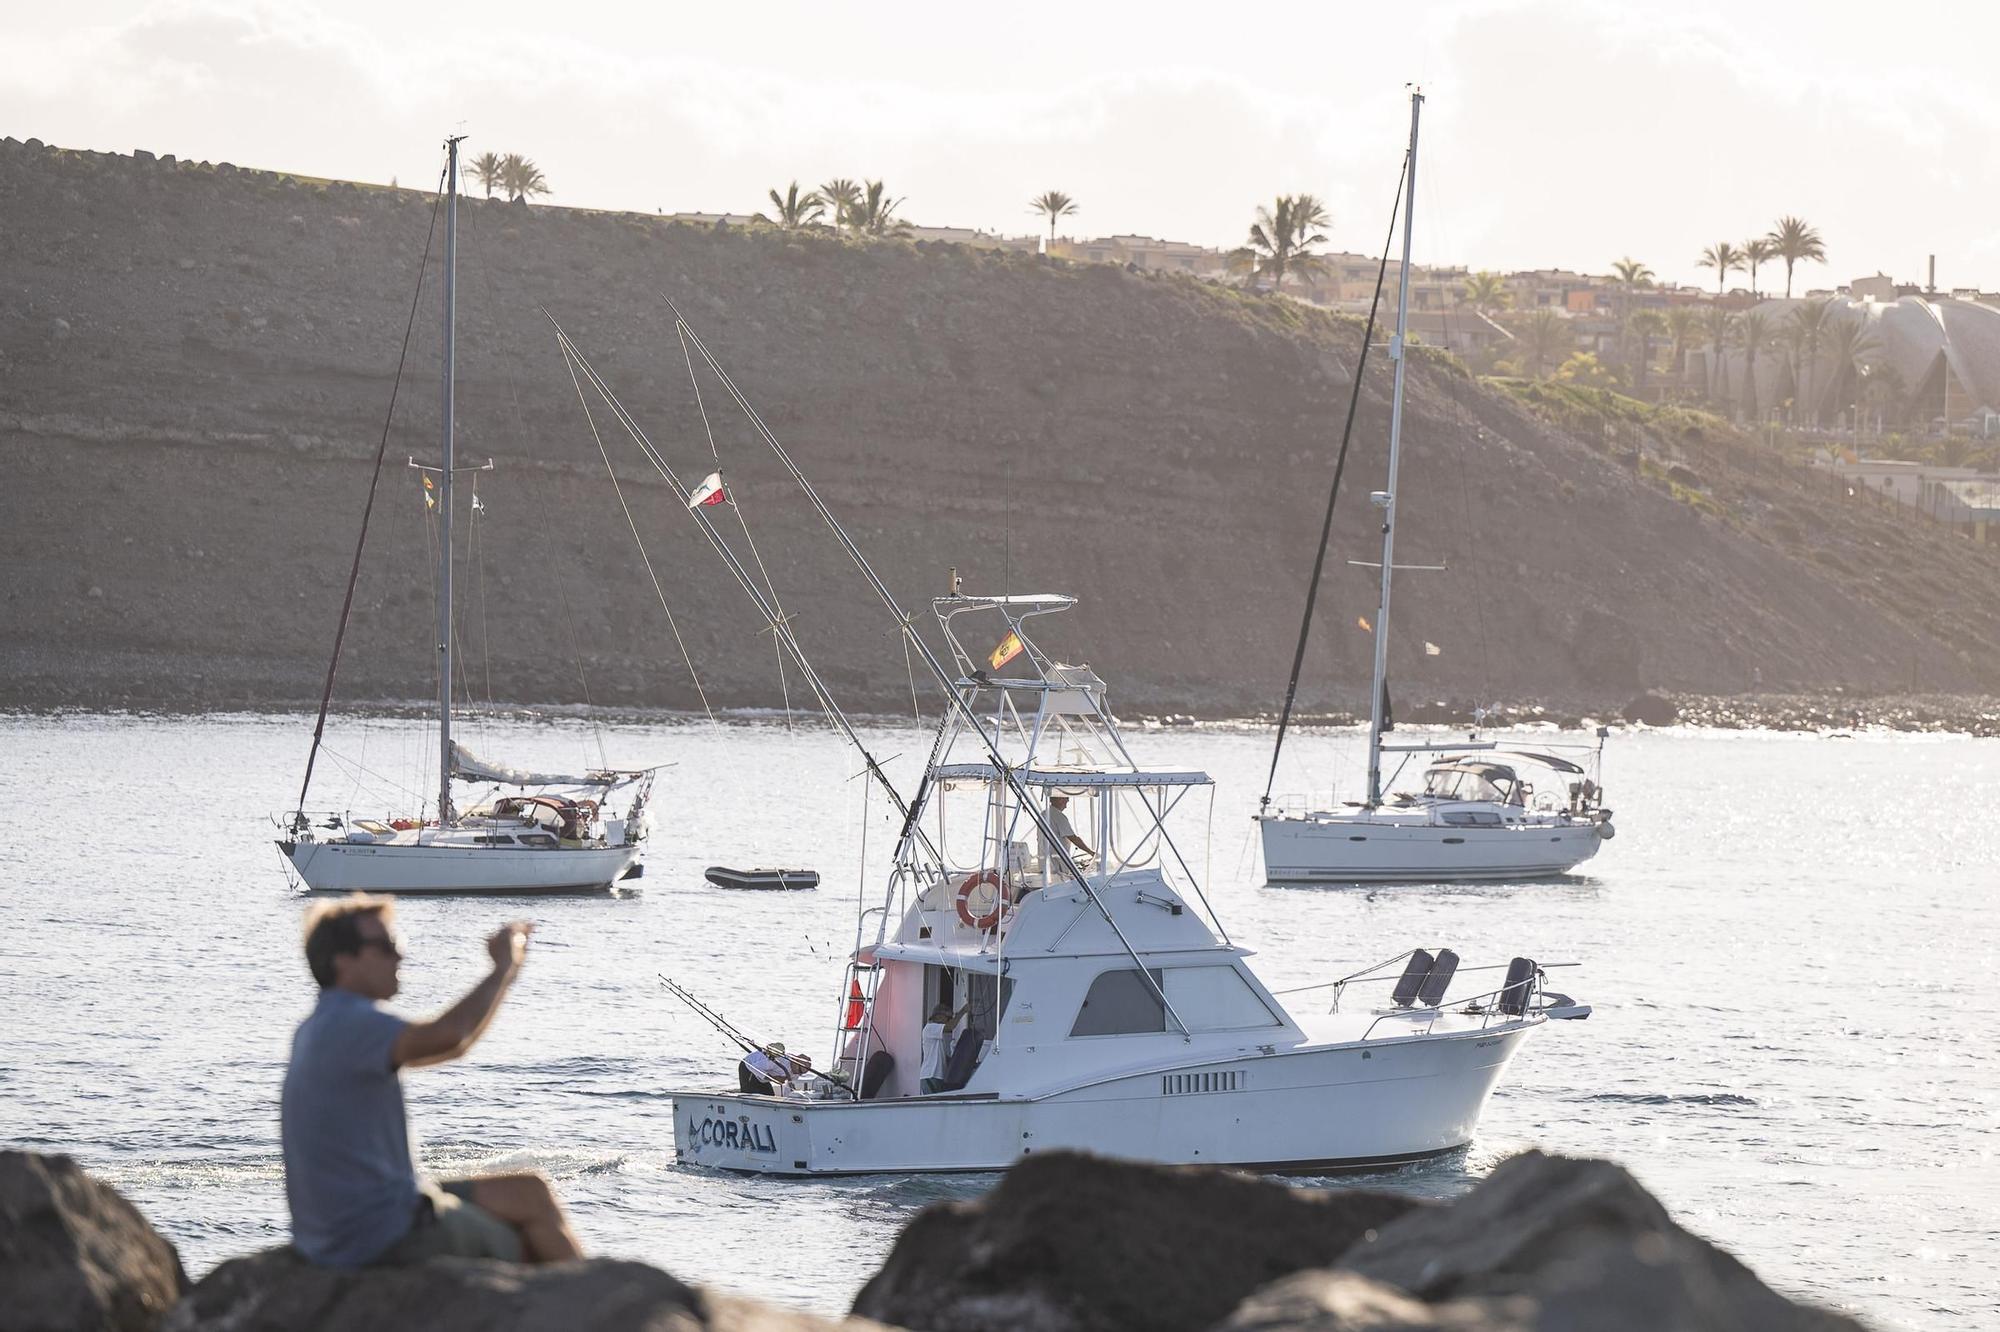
column 1105, row 1006
column 1483, row 813
column 523, row 831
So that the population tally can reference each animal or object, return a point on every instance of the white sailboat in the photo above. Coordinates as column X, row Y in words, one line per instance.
column 1104, row 1004
column 519, row 831
column 1481, row 814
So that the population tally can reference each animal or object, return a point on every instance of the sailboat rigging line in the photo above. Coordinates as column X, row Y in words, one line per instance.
column 640, row 542
column 957, row 700
column 479, row 559
column 542, row 514
column 1333, row 494
column 374, row 480
column 771, row 616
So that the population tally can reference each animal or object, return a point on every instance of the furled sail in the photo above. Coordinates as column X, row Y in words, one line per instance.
column 468, row 766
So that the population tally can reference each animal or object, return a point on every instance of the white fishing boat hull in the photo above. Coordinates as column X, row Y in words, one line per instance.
column 1333, row 849
column 1354, row 1106
column 343, row 867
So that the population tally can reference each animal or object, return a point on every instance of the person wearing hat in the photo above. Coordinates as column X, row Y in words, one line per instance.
column 764, row 1071
column 1059, row 832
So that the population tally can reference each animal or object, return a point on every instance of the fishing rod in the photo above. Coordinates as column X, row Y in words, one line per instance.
column 709, row 1015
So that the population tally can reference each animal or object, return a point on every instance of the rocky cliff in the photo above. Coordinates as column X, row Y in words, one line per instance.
column 196, row 363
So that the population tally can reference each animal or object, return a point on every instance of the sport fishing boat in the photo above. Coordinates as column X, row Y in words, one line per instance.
column 1106, row 1006
column 1480, row 815
column 516, row 831
column 1103, row 1003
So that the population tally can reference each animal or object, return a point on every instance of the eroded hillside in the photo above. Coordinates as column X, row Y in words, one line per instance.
column 196, row 362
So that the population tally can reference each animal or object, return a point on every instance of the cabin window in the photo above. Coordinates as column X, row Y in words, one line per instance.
column 1120, row 1003
column 1216, row 999
column 537, row 839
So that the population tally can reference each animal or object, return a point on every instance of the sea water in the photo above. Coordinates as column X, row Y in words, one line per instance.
column 1790, row 947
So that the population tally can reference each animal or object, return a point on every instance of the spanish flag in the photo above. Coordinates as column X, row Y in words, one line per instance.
column 1010, row 648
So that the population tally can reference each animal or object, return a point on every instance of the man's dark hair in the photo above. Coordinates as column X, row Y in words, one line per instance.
column 333, row 928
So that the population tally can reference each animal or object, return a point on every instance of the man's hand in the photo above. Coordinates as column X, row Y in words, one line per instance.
column 453, row 1032
column 508, row 946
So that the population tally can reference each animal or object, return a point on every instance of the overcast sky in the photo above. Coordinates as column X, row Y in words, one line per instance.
column 1557, row 132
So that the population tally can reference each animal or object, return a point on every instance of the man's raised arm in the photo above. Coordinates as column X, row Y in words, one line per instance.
column 455, row 1031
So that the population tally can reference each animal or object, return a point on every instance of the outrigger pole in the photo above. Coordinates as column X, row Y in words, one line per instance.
column 907, row 627
column 772, row 615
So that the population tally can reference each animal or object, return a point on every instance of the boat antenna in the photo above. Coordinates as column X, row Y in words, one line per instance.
column 1333, row 494
column 1378, row 716
column 907, row 626
column 368, row 509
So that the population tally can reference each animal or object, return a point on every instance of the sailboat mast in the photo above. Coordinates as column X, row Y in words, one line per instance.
column 1387, row 499
column 444, row 483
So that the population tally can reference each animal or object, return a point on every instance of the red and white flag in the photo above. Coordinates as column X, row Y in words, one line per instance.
column 709, row 492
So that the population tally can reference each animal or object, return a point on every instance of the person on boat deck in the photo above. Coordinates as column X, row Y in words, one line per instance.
column 935, row 1047
column 1057, row 819
column 352, row 1186
column 766, row 1071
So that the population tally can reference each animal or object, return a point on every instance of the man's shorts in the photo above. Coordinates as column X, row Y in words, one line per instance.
column 450, row 1225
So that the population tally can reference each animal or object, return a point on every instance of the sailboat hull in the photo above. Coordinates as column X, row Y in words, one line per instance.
column 343, row 867
column 1357, row 1106
column 1387, row 850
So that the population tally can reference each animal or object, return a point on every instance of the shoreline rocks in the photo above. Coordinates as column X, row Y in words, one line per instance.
column 1067, row 1242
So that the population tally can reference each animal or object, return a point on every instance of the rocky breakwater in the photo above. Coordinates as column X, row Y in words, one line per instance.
column 1066, row 1242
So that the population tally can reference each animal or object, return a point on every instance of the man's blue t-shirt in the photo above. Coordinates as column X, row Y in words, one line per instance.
column 348, row 1174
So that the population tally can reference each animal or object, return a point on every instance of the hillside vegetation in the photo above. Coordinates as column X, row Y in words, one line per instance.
column 196, row 362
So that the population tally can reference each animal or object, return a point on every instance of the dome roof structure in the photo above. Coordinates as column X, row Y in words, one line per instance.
column 1820, row 356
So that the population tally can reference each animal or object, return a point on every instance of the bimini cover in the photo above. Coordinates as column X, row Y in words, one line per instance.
column 468, row 766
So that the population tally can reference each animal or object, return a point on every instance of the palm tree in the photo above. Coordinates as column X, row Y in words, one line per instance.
column 841, row 195
column 1848, row 344
column 1546, row 337
column 1756, row 252
column 521, row 178
column 1486, row 291
column 1719, row 326
column 1792, row 240
column 1632, row 275
column 796, row 210
column 1724, row 258
column 1647, row 324
column 486, row 170
column 1753, row 331
column 1054, row 205
column 1681, row 321
column 1282, row 237
column 1810, row 325
column 874, row 214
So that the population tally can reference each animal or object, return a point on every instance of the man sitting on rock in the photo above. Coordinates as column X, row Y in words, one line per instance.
column 353, row 1189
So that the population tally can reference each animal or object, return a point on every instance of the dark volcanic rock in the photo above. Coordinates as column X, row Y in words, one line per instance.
column 276, row 1291
column 1586, row 1245
column 1652, row 710
column 74, row 1255
column 1077, row 1242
